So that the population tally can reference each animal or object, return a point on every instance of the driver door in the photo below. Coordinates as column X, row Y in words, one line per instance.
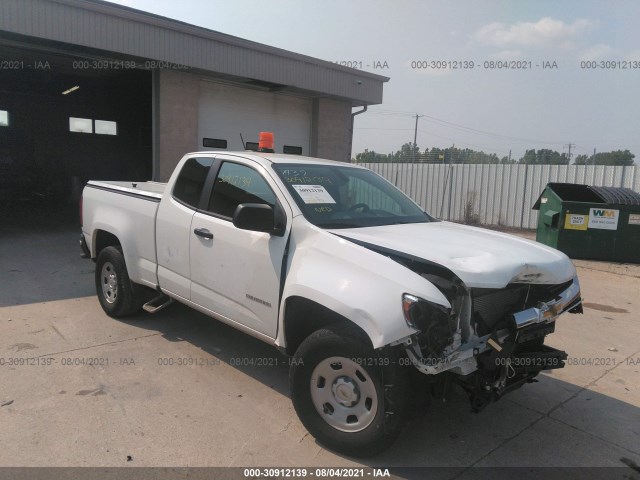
column 236, row 273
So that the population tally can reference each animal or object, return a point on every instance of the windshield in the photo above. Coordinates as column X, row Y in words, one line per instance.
column 332, row 196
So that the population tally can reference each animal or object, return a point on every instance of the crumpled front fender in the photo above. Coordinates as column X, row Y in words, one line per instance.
column 362, row 286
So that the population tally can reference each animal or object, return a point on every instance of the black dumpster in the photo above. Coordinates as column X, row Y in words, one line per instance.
column 597, row 223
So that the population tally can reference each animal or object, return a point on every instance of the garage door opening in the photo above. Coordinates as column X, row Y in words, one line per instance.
column 65, row 120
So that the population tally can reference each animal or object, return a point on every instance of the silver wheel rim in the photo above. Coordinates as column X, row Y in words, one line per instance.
column 344, row 394
column 109, row 282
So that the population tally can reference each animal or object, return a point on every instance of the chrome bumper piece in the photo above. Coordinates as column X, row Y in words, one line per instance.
column 548, row 311
column 463, row 360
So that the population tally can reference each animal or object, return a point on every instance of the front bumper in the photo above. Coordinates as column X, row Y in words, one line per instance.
column 526, row 325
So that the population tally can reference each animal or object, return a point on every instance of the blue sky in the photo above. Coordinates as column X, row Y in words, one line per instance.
column 495, row 110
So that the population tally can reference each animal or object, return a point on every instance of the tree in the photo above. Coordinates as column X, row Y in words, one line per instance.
column 545, row 156
column 372, row 157
column 409, row 153
column 618, row 157
column 529, row 157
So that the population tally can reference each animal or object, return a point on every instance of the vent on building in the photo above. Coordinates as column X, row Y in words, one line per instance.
column 214, row 143
column 290, row 149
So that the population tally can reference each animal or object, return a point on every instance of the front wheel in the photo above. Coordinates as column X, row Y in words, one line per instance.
column 117, row 294
column 349, row 398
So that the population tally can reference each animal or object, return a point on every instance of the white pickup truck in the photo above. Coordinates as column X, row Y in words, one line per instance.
column 333, row 265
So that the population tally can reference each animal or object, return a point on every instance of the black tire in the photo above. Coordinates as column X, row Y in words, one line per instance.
column 117, row 294
column 371, row 432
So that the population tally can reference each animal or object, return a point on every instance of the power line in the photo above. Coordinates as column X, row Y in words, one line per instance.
column 490, row 134
column 449, row 124
column 382, row 111
column 501, row 150
column 446, row 123
column 451, row 139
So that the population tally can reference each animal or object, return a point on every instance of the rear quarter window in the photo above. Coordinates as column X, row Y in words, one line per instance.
column 190, row 182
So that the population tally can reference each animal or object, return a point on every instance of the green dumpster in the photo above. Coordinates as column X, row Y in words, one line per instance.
column 596, row 223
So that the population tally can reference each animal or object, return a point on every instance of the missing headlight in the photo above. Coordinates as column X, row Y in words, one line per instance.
column 434, row 322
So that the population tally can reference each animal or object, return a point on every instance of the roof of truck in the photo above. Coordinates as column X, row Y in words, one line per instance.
column 268, row 158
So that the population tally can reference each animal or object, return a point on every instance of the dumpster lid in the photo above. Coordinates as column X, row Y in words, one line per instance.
column 573, row 192
column 617, row 195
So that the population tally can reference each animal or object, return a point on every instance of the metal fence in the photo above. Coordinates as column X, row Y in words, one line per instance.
column 494, row 194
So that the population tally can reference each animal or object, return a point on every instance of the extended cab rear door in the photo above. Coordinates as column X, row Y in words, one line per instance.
column 173, row 225
column 236, row 273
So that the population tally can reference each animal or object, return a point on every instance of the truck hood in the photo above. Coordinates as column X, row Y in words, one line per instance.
column 480, row 258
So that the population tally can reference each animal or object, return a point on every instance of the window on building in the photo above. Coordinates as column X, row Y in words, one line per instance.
column 82, row 125
column 4, row 118
column 190, row 182
column 105, row 127
column 238, row 184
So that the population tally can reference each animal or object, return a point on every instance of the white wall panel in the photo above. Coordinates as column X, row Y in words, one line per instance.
column 226, row 111
column 504, row 194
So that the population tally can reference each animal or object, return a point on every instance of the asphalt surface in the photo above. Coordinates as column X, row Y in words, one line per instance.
column 78, row 388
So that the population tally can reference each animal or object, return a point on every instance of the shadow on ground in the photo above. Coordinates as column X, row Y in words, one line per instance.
column 40, row 257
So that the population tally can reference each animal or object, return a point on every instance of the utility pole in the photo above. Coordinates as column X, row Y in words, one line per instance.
column 569, row 154
column 509, row 156
column 415, row 138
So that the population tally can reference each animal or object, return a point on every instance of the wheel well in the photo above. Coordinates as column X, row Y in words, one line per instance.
column 302, row 317
column 103, row 240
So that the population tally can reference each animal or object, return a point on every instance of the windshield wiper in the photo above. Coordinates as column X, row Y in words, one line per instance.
column 337, row 225
column 403, row 223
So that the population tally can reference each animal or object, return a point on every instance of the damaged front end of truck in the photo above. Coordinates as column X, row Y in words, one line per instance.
column 491, row 340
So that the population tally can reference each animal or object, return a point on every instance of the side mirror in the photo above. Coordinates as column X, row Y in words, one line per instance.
column 257, row 217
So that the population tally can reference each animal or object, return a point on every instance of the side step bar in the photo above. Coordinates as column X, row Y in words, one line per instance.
column 158, row 303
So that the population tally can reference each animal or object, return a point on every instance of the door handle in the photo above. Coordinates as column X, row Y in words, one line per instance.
column 204, row 233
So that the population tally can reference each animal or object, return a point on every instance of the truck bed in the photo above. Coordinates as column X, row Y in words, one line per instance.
column 151, row 189
column 126, row 210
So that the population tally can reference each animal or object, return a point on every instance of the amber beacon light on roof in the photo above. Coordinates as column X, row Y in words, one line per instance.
column 265, row 142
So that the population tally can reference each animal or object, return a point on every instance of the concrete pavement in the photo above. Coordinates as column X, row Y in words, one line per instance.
column 78, row 388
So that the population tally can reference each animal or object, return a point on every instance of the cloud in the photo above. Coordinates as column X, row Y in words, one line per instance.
column 545, row 32
column 598, row 52
column 507, row 55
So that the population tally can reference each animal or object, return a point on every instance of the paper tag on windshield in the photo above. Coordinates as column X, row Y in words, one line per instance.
column 313, row 194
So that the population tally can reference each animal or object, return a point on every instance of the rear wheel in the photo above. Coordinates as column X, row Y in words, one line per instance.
column 347, row 396
column 117, row 294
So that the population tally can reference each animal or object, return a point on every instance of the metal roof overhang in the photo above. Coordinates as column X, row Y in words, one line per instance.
column 100, row 29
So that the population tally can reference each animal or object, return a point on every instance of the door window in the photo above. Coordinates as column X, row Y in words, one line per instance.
column 238, row 184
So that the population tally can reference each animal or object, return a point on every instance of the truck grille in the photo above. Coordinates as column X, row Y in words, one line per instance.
column 491, row 307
